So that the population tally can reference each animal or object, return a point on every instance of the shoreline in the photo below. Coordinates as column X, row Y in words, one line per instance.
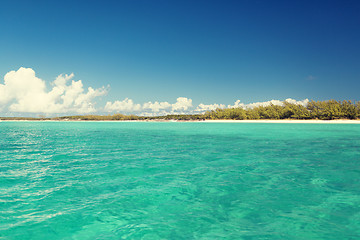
column 344, row 121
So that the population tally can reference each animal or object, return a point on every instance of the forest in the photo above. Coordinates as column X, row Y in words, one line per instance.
column 322, row 110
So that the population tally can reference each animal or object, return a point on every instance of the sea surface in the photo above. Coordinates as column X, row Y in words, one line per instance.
column 171, row 180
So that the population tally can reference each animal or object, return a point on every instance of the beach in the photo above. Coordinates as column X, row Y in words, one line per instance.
column 312, row 121
column 343, row 121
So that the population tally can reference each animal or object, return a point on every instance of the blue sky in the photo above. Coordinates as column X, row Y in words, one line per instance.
column 207, row 51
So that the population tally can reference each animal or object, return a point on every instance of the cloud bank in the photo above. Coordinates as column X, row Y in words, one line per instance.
column 126, row 105
column 23, row 92
column 182, row 105
column 203, row 107
column 268, row 103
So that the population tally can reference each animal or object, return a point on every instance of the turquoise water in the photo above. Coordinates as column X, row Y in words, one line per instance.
column 138, row 180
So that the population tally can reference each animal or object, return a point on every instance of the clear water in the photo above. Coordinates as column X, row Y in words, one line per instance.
column 126, row 180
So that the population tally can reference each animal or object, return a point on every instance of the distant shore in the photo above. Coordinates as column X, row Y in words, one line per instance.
column 346, row 121
column 338, row 121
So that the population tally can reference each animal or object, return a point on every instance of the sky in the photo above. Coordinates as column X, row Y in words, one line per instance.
column 159, row 57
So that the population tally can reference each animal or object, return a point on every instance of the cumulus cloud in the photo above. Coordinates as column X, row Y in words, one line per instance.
column 264, row 104
column 203, row 107
column 268, row 103
column 156, row 106
column 23, row 92
column 237, row 104
column 302, row 102
column 126, row 105
column 184, row 106
column 181, row 105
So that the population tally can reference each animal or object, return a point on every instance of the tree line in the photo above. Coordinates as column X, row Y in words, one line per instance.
column 323, row 110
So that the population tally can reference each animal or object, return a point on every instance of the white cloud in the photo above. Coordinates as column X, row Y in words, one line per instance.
column 156, row 106
column 293, row 101
column 276, row 102
column 203, row 107
column 264, row 104
column 182, row 104
column 268, row 103
column 126, row 105
column 23, row 92
column 237, row 104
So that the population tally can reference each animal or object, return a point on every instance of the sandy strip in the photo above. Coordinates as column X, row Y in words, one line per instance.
column 345, row 121
column 287, row 121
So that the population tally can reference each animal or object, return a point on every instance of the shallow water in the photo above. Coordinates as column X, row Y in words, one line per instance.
column 138, row 180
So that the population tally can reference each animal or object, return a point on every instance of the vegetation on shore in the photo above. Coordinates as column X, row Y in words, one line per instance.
column 322, row 110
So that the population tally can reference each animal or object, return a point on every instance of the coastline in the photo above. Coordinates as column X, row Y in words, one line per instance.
column 312, row 121
column 344, row 121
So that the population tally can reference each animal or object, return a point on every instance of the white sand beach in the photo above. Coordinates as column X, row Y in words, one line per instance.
column 344, row 121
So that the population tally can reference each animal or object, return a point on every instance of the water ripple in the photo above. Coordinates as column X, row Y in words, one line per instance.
column 179, row 181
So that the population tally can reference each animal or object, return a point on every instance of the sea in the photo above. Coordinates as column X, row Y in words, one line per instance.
column 179, row 180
